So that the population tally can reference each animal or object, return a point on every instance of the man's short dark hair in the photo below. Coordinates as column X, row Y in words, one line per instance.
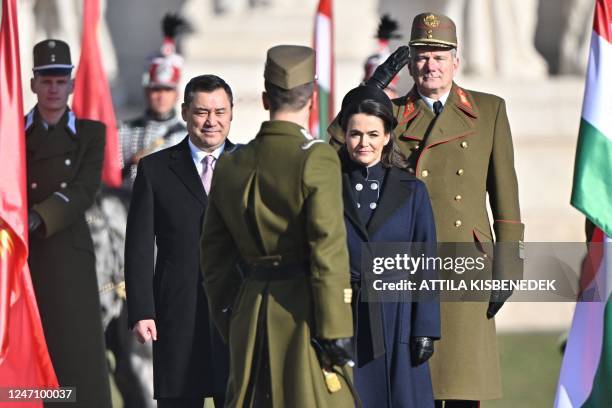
column 206, row 83
column 288, row 100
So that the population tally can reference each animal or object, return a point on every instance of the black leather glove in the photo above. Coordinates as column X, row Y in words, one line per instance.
column 34, row 221
column 334, row 352
column 421, row 349
column 388, row 69
column 498, row 297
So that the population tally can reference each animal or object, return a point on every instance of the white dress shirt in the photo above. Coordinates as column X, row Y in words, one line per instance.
column 429, row 102
column 197, row 155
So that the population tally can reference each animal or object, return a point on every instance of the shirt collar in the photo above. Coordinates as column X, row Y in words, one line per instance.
column 197, row 154
column 429, row 102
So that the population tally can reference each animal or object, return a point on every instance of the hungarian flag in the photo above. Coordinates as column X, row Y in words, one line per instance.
column 586, row 372
column 92, row 97
column 24, row 358
column 323, row 112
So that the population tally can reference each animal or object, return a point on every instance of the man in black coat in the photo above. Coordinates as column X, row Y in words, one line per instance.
column 166, row 301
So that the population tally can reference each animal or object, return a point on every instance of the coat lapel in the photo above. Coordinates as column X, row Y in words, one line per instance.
column 349, row 206
column 394, row 193
column 182, row 165
column 456, row 120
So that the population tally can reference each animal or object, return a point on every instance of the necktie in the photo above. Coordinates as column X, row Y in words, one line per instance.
column 207, row 172
column 438, row 107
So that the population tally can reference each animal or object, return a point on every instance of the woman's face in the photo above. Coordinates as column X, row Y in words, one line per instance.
column 365, row 138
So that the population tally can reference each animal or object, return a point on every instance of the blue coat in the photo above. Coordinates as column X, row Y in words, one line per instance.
column 384, row 375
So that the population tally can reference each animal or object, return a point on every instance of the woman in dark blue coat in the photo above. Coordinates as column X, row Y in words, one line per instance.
column 393, row 340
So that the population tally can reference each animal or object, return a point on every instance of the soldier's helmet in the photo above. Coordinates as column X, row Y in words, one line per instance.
column 165, row 66
column 387, row 30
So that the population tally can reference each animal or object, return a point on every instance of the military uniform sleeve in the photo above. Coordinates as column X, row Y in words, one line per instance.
column 62, row 208
column 329, row 265
column 218, row 259
column 502, row 187
column 426, row 313
column 139, row 249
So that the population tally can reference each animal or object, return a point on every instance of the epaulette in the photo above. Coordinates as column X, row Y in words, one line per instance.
column 311, row 143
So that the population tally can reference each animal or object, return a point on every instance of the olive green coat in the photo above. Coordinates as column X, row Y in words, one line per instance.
column 467, row 155
column 278, row 200
column 64, row 167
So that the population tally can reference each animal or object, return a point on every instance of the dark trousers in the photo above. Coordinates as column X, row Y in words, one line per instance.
column 188, row 402
column 457, row 404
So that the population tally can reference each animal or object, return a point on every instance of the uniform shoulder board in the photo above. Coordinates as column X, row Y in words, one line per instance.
column 29, row 119
column 311, row 143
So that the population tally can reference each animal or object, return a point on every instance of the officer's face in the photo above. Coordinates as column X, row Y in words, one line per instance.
column 208, row 118
column 433, row 70
column 161, row 100
column 51, row 91
column 365, row 138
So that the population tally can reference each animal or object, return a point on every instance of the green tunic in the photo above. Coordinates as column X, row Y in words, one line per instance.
column 63, row 175
column 467, row 155
column 277, row 201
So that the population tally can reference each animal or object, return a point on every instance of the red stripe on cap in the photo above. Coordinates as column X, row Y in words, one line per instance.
column 602, row 22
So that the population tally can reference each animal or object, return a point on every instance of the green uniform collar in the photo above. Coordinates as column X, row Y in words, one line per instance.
column 283, row 128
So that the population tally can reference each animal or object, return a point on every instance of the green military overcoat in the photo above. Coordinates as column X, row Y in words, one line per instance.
column 64, row 165
column 277, row 202
column 467, row 155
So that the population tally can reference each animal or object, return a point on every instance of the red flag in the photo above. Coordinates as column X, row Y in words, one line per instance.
column 24, row 358
column 92, row 97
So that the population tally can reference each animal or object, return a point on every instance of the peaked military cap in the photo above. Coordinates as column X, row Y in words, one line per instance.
column 52, row 57
column 288, row 66
column 434, row 30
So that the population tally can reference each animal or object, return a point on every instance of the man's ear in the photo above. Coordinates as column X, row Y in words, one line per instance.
column 314, row 98
column 184, row 109
column 32, row 87
column 71, row 86
column 265, row 101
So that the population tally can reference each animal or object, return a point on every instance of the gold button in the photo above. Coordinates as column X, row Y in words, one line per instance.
column 460, row 172
column 458, row 223
column 464, row 144
column 425, row 173
column 67, row 162
column 63, row 185
column 275, row 263
column 34, row 186
column 410, row 170
column 485, row 256
column 458, row 197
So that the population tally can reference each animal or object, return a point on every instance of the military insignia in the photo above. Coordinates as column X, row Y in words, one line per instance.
column 431, row 21
column 429, row 34
column 409, row 108
column 52, row 57
column 348, row 295
column 308, row 145
column 306, row 134
column 463, row 98
column 51, row 44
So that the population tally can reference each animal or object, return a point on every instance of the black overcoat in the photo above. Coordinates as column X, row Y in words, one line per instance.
column 384, row 374
column 166, row 210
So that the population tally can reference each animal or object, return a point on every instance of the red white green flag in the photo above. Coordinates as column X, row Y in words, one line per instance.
column 586, row 373
column 323, row 112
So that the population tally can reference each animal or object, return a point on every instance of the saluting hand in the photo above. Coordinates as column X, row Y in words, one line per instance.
column 145, row 330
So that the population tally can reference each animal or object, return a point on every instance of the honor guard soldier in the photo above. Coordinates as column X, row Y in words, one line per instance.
column 387, row 31
column 160, row 126
column 64, row 157
column 459, row 143
column 275, row 208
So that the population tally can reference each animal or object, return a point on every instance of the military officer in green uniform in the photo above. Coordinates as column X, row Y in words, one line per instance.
column 459, row 143
column 275, row 208
column 64, row 162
